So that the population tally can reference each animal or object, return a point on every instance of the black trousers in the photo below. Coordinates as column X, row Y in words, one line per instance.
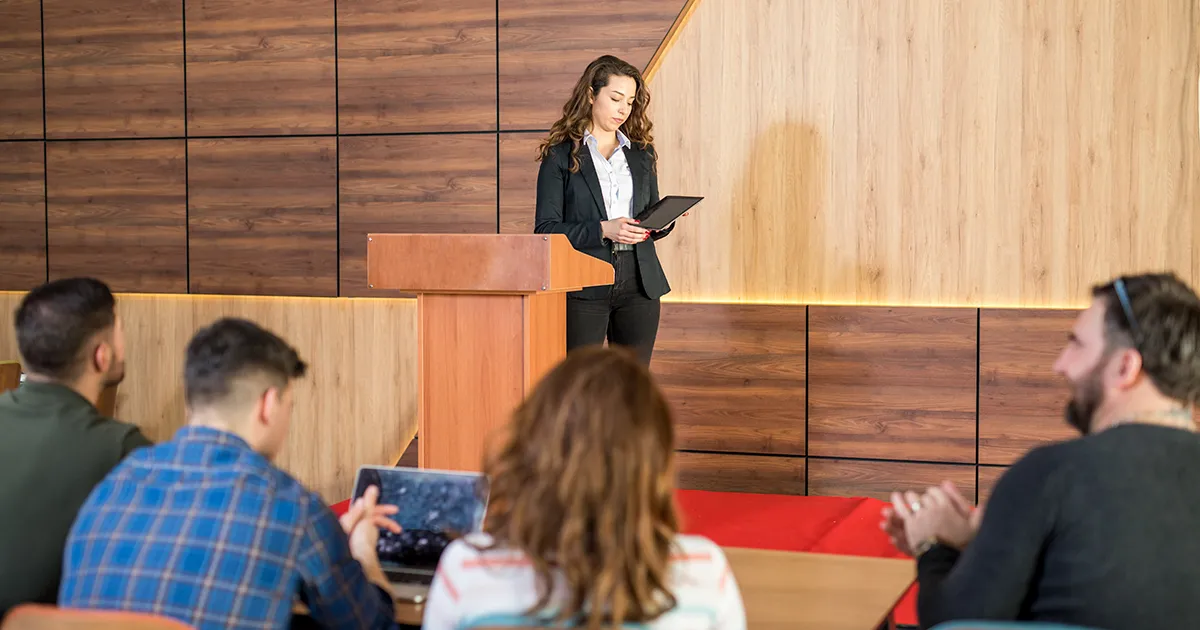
column 627, row 317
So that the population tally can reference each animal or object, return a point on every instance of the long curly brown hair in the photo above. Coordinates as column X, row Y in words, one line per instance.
column 584, row 486
column 577, row 111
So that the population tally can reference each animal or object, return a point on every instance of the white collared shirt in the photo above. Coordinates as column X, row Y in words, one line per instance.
column 616, row 180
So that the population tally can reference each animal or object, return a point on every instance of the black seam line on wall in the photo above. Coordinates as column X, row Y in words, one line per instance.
column 45, row 145
column 473, row 132
column 978, row 382
column 187, row 193
column 497, row 78
column 826, row 457
column 806, row 390
column 337, row 161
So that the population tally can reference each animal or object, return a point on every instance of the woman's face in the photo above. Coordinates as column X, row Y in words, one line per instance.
column 613, row 104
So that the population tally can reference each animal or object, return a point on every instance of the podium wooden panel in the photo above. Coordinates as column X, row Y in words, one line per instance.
column 491, row 319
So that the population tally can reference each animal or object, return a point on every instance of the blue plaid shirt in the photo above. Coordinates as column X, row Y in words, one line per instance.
column 205, row 530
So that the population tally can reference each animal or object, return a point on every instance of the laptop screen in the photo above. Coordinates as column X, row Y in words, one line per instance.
column 436, row 508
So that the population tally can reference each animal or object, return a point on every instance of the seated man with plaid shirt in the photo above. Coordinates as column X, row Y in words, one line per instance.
column 206, row 530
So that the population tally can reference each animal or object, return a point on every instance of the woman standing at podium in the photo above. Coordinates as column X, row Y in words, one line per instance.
column 598, row 171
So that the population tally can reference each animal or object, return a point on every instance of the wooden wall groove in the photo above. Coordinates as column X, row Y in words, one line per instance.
column 893, row 398
column 434, row 80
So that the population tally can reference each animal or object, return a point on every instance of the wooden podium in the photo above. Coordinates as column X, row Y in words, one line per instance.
column 491, row 320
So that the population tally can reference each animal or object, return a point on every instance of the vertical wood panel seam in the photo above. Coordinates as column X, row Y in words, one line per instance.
column 807, row 397
column 45, row 144
column 337, row 160
column 978, row 382
column 496, row 23
column 187, row 192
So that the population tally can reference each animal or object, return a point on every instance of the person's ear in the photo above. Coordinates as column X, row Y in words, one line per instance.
column 103, row 356
column 1129, row 368
column 268, row 406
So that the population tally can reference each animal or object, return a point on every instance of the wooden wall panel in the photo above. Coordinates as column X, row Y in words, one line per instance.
column 357, row 404
column 118, row 212
column 855, row 478
column 1000, row 153
column 22, row 216
column 264, row 67
column 1021, row 399
column 719, row 472
column 21, row 69
column 263, row 216
column 545, row 45
column 518, row 181
column 988, row 476
column 114, row 68
column 735, row 376
column 416, row 65
column 892, row 383
column 412, row 184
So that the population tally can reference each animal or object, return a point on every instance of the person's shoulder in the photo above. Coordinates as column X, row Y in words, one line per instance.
column 118, row 432
column 472, row 546
column 1044, row 459
column 286, row 499
column 287, row 488
column 480, row 551
column 699, row 558
column 643, row 148
column 558, row 154
column 693, row 545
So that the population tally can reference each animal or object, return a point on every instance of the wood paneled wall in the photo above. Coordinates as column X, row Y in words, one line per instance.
column 920, row 152
column 247, row 149
column 860, row 401
column 356, row 405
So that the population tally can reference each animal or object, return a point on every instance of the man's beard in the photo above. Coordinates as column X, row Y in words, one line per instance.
column 1085, row 400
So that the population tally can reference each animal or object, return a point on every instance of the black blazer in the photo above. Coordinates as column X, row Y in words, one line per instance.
column 572, row 204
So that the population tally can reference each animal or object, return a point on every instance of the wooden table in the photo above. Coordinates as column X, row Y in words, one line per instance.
column 406, row 612
column 787, row 589
column 797, row 590
column 409, row 613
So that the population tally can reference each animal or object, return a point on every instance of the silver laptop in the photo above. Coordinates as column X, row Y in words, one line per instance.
column 436, row 508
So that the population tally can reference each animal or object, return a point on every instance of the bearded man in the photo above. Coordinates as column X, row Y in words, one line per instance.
column 1102, row 531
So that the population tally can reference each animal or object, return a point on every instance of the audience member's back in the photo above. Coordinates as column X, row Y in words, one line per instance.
column 204, row 529
column 1123, row 517
column 581, row 522
column 56, row 445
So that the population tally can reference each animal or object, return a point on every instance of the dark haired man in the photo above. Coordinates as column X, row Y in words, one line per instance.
column 206, row 530
column 55, row 445
column 1099, row 531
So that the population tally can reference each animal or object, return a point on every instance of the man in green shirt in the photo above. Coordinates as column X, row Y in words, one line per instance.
column 55, row 446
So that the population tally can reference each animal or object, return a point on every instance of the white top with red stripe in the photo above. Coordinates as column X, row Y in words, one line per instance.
column 474, row 588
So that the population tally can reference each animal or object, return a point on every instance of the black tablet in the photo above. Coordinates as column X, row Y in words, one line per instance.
column 661, row 214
